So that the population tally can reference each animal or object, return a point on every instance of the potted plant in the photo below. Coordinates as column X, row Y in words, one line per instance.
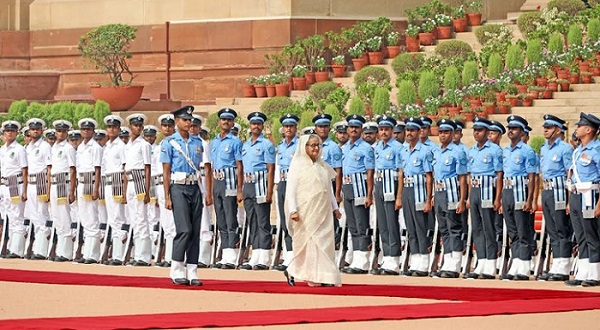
column 586, row 77
column 481, row 112
column 534, row 91
column 282, row 84
column 565, row 85
column 374, row 49
column 459, row 21
column 473, row 8
column 338, row 66
column 513, row 99
column 453, row 98
column 356, row 53
column 248, row 87
column 444, row 26
column 426, row 37
column 270, row 81
column 469, row 113
column 526, row 99
column 321, row 74
column 503, row 107
column 107, row 48
column 392, row 47
column 299, row 77
column 260, row 86
column 552, row 85
column 412, row 38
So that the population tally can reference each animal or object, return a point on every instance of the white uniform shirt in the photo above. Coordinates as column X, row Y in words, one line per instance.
column 113, row 157
column 137, row 154
column 156, row 167
column 205, row 154
column 39, row 156
column 13, row 159
column 63, row 157
column 89, row 156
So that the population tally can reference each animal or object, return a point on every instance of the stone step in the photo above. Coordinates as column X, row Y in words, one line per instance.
column 578, row 94
column 567, row 102
column 513, row 16
column 532, row 5
column 541, row 110
column 595, row 87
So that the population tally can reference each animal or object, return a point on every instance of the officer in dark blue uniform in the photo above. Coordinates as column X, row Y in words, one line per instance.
column 228, row 174
column 181, row 155
column 520, row 166
column 556, row 159
column 258, row 156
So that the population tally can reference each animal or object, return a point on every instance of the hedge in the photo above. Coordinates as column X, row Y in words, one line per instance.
column 379, row 74
column 454, row 49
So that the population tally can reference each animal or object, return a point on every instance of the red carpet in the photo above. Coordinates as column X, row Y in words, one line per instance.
column 295, row 316
column 402, row 291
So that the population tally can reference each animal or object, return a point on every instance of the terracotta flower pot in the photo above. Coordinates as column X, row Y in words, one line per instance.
column 482, row 114
column 375, row 57
column 299, row 83
column 552, row 86
column 562, row 74
column 460, row 25
column 338, row 70
column 412, row 44
column 469, row 116
column 358, row 63
column 586, row 79
column 365, row 58
column 542, row 82
column 474, row 19
column 595, row 71
column 444, row 32
column 527, row 102
column 261, row 90
column 434, row 131
column 474, row 103
column 513, row 101
column 321, row 76
column 248, row 90
column 282, row 89
column 426, row 39
column 574, row 79
column 584, row 66
column 566, row 87
column 453, row 111
column 504, row 109
column 500, row 97
column 310, row 78
column 271, row 92
column 521, row 89
column 392, row 51
column 119, row 98
column 490, row 109
column 534, row 94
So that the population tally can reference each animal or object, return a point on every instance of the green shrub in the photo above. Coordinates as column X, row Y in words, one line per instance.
column 428, row 85
column 306, row 119
column 321, row 90
column 357, row 106
column 275, row 104
column 570, row 7
column 575, row 35
column 534, row 51
column 491, row 29
column 407, row 94
column 336, row 114
column 379, row 74
column 338, row 97
column 35, row 110
column 514, row 58
column 525, row 22
column 452, row 78
column 593, row 30
column 101, row 110
column 536, row 143
column 470, row 73
column 556, row 43
column 381, row 101
column 82, row 110
column 16, row 111
column 495, row 66
column 454, row 49
column 407, row 62
column 212, row 122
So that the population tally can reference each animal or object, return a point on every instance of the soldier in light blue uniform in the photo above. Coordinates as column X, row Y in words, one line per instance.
column 258, row 156
column 458, row 135
column 399, row 134
column 485, row 181
column 332, row 155
column 387, row 198
column 181, row 155
column 425, row 132
column 285, row 152
column 520, row 167
column 497, row 131
column 228, row 173
column 585, row 202
column 416, row 190
column 557, row 158
column 450, row 184
column 357, row 170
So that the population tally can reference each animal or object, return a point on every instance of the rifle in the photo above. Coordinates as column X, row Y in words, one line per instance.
column 468, row 253
column 30, row 237
column 436, row 248
column 53, row 240
column 129, row 243
column 341, row 262
column 77, row 254
column 4, row 238
column 375, row 247
column 405, row 252
column 505, row 256
column 160, row 244
column 244, row 239
column 278, row 241
column 106, row 243
column 216, row 250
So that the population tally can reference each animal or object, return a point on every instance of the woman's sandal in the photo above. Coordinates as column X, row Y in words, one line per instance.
column 290, row 279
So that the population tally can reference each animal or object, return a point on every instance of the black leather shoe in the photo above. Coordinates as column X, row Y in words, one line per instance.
column 116, row 262
column 449, row 274
column 196, row 282
column 436, row 274
column 521, row 277
column 38, row 257
column 589, row 283
column 544, row 277
column 419, row 273
column 140, row 263
column 384, row 271
column 357, row 271
column 280, row 268
column 228, row 266
column 558, row 278
column 574, row 283
column 217, row 265
column 486, row 277
column 327, row 284
column 507, row 277
column 407, row 273
column 246, row 267
column 376, row 271
column 106, row 262
column 61, row 259
column 181, row 281
column 200, row 265
column 90, row 261
column 260, row 267
column 79, row 261
column 290, row 279
column 13, row 256
column 471, row 276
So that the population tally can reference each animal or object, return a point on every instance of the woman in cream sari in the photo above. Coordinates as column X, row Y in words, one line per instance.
column 309, row 202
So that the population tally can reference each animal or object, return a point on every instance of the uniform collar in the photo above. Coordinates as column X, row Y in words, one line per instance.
column 518, row 146
column 487, row 144
column 260, row 138
column 37, row 143
column 450, row 147
column 293, row 141
column 385, row 145
column 556, row 142
column 357, row 142
column 229, row 135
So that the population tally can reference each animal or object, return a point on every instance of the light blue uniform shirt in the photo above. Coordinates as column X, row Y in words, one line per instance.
column 519, row 161
column 192, row 148
column 463, row 147
column 485, row 161
column 388, row 156
column 449, row 162
column 285, row 153
column 256, row 155
column 358, row 157
column 587, row 161
column 224, row 152
column 429, row 144
column 417, row 161
column 556, row 159
column 332, row 153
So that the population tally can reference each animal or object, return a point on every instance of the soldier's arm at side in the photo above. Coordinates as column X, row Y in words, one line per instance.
column 429, row 189
column 167, row 185
column 48, row 181
column 25, row 172
column 208, row 176
column 270, row 181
